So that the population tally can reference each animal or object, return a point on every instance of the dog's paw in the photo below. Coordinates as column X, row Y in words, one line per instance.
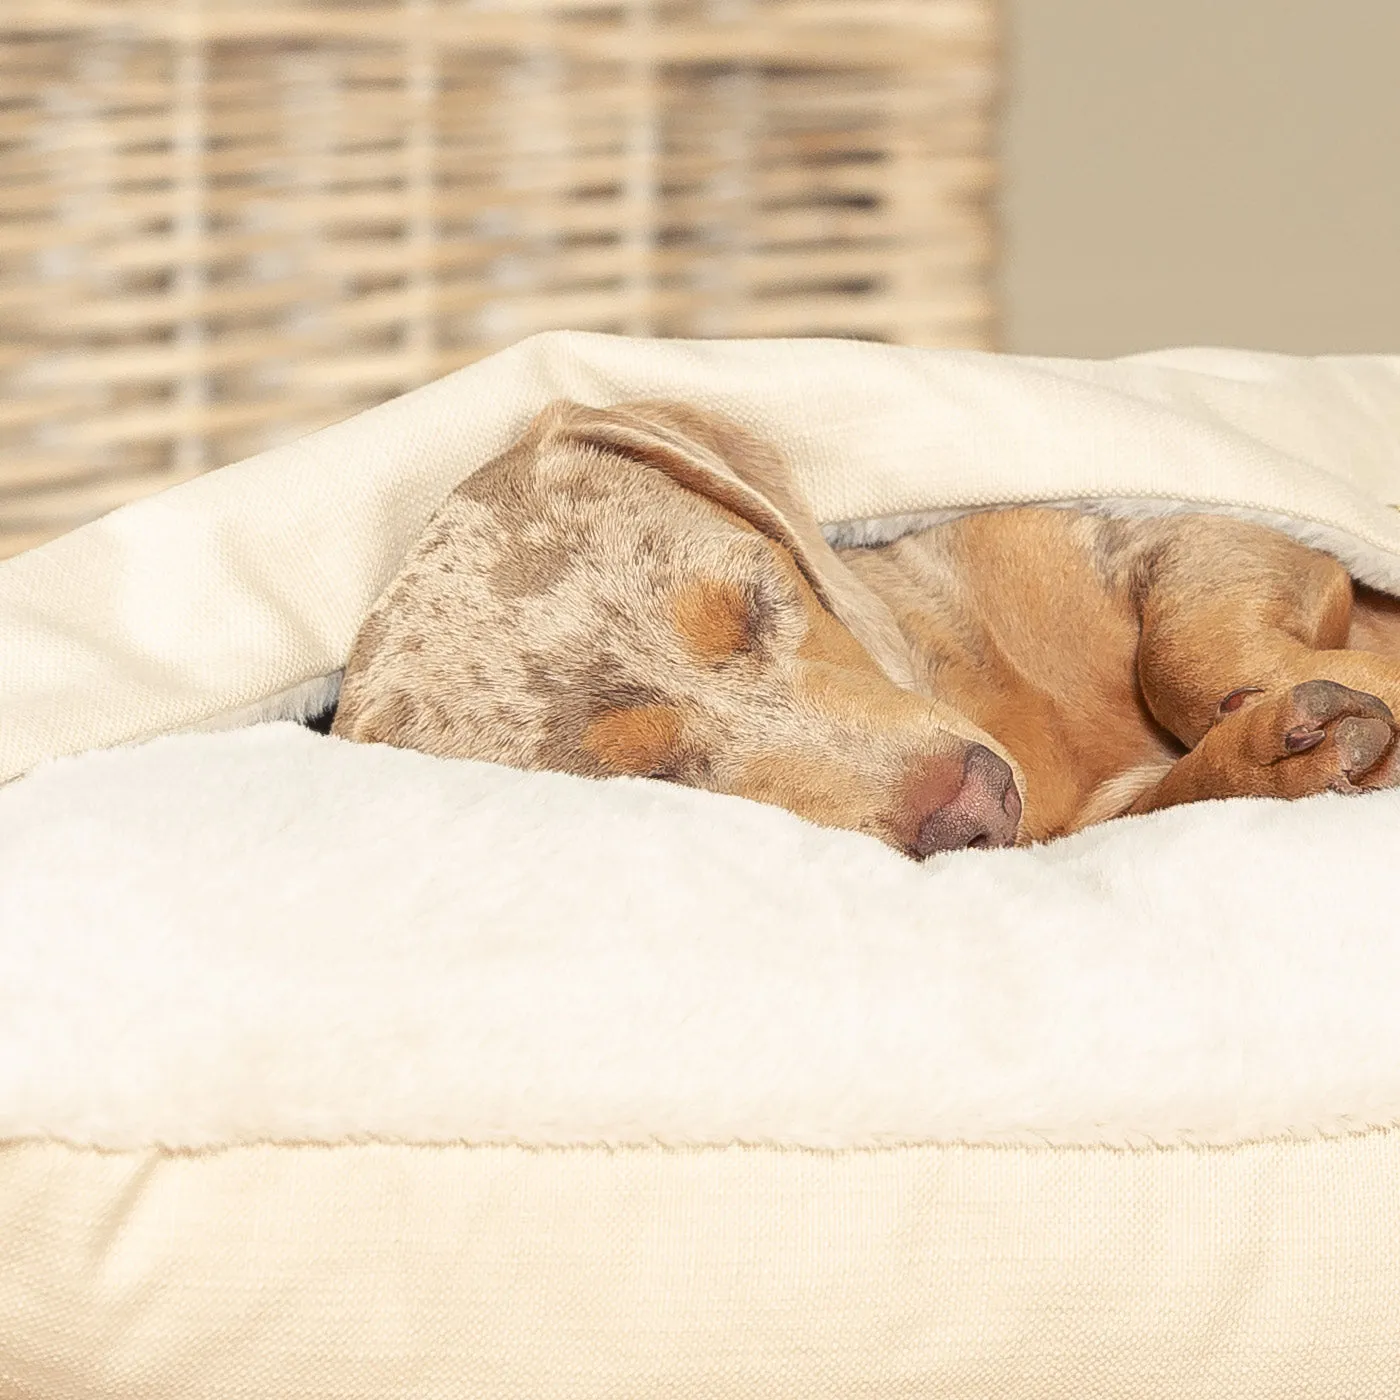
column 1316, row 737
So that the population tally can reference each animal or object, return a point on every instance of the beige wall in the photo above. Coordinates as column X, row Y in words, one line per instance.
column 1201, row 172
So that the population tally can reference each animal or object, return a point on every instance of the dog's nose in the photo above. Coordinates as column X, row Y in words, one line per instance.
column 985, row 810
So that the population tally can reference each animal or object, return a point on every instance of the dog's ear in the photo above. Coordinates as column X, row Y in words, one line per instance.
column 716, row 457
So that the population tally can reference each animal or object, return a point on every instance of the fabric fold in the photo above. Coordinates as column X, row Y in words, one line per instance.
column 242, row 587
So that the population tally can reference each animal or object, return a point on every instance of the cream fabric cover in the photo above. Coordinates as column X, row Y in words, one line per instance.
column 1260, row 1272
column 254, row 579
column 326, row 1262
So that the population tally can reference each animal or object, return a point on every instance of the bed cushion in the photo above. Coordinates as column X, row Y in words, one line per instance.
column 334, row 1070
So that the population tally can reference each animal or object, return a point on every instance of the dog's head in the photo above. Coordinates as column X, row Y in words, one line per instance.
column 641, row 591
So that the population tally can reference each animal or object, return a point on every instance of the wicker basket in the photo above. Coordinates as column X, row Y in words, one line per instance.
column 224, row 224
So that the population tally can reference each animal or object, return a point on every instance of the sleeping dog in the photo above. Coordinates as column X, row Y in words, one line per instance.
column 642, row 591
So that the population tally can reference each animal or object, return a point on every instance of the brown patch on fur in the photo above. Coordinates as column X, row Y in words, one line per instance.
column 639, row 742
column 525, row 568
column 576, row 698
column 714, row 619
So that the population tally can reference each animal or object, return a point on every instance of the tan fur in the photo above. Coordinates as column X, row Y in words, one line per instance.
column 1012, row 625
column 1100, row 651
column 641, row 742
column 714, row 619
column 641, row 590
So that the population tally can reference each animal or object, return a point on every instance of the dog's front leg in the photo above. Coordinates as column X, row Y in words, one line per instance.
column 1242, row 655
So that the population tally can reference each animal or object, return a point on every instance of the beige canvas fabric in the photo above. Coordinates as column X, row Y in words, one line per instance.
column 394, row 1273
column 247, row 582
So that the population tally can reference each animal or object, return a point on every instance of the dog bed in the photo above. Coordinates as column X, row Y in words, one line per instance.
column 336, row 1070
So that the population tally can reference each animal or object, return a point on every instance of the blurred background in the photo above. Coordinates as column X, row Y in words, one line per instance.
column 224, row 223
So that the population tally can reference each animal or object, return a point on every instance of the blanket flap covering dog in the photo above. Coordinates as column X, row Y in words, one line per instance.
column 237, row 595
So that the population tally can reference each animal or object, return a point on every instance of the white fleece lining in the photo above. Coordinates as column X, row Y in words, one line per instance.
column 301, row 703
column 267, row 935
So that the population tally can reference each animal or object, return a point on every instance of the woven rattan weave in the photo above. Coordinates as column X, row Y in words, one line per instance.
column 223, row 224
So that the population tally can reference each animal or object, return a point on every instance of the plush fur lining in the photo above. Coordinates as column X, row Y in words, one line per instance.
column 302, row 703
column 270, row 935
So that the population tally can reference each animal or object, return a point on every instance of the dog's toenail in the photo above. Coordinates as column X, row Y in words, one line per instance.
column 1236, row 698
column 1301, row 740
